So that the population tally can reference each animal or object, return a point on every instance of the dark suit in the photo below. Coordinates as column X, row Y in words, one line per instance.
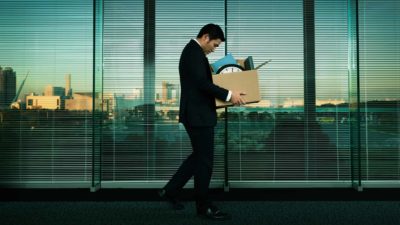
column 198, row 114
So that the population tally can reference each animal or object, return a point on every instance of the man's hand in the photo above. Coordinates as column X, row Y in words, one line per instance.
column 237, row 98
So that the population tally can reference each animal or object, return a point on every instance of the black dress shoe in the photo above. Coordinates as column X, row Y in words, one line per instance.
column 214, row 213
column 175, row 204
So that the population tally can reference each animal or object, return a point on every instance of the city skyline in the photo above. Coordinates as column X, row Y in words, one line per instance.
column 167, row 94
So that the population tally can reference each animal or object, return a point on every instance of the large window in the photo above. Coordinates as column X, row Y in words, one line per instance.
column 89, row 92
column 380, row 90
column 46, row 102
column 332, row 159
column 263, row 140
column 125, row 145
column 177, row 22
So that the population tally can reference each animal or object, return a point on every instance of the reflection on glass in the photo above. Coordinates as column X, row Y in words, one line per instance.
column 49, row 97
column 45, row 92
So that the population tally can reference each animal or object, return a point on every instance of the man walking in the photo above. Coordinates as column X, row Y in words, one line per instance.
column 197, row 113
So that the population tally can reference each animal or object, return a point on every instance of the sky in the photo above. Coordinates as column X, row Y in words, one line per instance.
column 50, row 39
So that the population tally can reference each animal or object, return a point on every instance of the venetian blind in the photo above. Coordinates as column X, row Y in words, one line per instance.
column 380, row 91
column 125, row 149
column 267, row 30
column 332, row 90
column 177, row 22
column 48, row 141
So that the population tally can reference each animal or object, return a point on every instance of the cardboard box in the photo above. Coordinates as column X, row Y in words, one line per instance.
column 246, row 81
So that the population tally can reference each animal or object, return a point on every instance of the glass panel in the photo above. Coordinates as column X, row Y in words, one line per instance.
column 265, row 139
column 380, row 90
column 176, row 23
column 124, row 135
column 46, row 92
column 332, row 161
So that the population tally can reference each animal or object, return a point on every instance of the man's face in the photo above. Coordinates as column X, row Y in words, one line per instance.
column 211, row 45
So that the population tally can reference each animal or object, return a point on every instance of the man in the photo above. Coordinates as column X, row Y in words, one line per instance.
column 197, row 113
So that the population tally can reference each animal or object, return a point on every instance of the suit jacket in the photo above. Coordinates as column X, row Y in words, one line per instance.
column 198, row 93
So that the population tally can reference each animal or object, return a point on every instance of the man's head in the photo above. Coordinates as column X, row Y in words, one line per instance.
column 210, row 37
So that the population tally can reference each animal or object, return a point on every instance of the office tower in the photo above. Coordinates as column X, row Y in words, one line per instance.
column 50, row 90
column 164, row 92
column 68, row 89
column 8, row 86
column 167, row 92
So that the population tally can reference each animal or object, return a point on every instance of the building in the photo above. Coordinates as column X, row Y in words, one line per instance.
column 68, row 89
column 8, row 86
column 109, row 104
column 54, row 91
column 292, row 102
column 80, row 101
column 169, row 93
column 43, row 102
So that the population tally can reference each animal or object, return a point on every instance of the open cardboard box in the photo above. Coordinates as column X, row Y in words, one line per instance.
column 245, row 81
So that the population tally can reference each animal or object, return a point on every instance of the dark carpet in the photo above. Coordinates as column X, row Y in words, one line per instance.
column 243, row 212
column 247, row 207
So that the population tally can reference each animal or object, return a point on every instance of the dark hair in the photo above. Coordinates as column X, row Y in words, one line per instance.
column 214, row 32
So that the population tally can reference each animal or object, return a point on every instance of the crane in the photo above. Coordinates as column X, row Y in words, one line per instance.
column 15, row 104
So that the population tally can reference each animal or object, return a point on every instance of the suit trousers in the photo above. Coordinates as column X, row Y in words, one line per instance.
column 198, row 164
